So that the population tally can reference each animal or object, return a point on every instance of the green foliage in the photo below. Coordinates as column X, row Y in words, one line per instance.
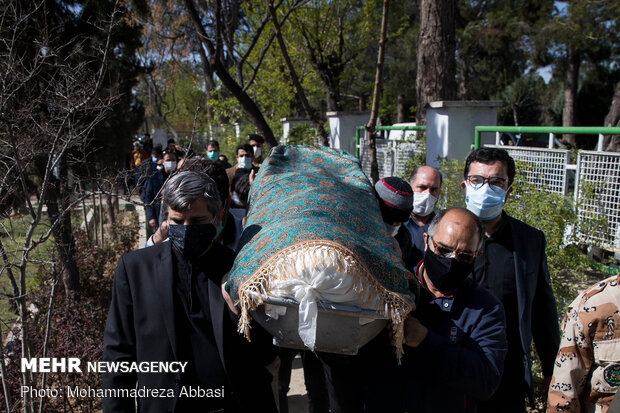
column 593, row 224
column 452, row 195
column 522, row 105
column 302, row 135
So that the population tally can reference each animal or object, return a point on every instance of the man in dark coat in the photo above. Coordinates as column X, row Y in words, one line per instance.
column 514, row 268
column 168, row 306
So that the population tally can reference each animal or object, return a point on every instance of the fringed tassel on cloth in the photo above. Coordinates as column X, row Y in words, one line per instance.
column 310, row 257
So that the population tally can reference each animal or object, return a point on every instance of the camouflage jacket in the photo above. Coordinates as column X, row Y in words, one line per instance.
column 587, row 367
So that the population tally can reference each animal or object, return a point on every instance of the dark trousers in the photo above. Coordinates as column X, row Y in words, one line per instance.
column 344, row 381
column 383, row 389
column 511, row 393
column 314, row 378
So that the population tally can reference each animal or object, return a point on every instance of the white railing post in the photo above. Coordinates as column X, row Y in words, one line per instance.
column 497, row 136
column 601, row 140
column 551, row 140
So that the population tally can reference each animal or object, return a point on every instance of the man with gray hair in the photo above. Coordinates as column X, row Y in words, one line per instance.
column 168, row 306
column 457, row 334
column 425, row 182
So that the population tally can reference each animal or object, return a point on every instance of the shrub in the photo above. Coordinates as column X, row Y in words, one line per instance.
column 77, row 323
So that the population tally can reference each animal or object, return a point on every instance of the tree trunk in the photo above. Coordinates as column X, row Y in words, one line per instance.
column 332, row 95
column 570, row 91
column 376, row 96
column 310, row 112
column 515, row 115
column 109, row 204
column 57, row 201
column 612, row 142
column 436, row 64
column 219, row 68
column 401, row 110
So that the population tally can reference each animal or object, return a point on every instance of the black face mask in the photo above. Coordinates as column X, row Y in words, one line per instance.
column 446, row 274
column 191, row 240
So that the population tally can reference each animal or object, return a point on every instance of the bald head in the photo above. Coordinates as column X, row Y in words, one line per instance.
column 458, row 229
column 426, row 179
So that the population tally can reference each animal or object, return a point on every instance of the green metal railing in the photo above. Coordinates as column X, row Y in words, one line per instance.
column 551, row 130
column 362, row 128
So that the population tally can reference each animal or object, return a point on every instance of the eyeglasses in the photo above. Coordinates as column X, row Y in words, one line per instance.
column 478, row 180
column 462, row 256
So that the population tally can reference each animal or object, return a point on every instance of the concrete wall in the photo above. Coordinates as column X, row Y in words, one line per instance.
column 342, row 129
column 450, row 127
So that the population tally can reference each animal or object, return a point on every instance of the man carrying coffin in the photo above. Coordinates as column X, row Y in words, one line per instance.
column 167, row 305
column 456, row 338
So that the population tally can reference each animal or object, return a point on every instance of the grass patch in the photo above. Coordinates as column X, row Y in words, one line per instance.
column 13, row 234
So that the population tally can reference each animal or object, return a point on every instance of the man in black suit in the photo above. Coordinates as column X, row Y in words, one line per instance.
column 514, row 268
column 168, row 306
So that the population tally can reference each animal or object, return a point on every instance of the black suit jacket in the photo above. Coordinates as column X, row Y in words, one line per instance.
column 141, row 327
column 538, row 314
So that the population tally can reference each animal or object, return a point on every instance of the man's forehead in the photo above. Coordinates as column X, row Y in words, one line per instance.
column 497, row 168
column 426, row 176
column 456, row 228
column 196, row 207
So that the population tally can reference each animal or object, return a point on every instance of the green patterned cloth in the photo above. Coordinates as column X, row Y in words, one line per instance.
column 307, row 196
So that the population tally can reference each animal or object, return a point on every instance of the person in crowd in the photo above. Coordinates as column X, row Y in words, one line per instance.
column 586, row 376
column 168, row 305
column 148, row 168
column 152, row 189
column 227, row 233
column 244, row 160
column 426, row 184
column 148, row 143
column 256, row 142
column 157, row 154
column 137, row 155
column 456, row 338
column 173, row 147
column 514, row 268
column 224, row 161
column 396, row 204
column 137, row 158
column 213, row 150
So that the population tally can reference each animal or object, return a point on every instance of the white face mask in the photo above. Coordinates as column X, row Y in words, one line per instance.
column 244, row 162
column 423, row 203
column 393, row 230
column 258, row 151
column 170, row 166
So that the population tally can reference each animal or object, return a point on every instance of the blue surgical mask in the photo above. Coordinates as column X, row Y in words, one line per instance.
column 154, row 158
column 213, row 155
column 487, row 202
column 244, row 162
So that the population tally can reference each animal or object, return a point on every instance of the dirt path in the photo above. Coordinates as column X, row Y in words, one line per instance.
column 297, row 397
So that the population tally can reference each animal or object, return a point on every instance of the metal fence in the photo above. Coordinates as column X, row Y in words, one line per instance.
column 596, row 188
column 396, row 146
column 598, row 198
column 548, row 167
